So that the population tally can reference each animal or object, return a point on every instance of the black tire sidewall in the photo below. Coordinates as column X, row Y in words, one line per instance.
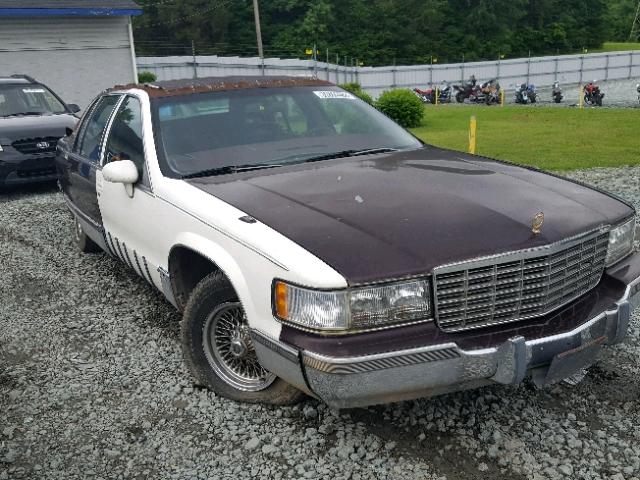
column 84, row 243
column 212, row 292
column 200, row 305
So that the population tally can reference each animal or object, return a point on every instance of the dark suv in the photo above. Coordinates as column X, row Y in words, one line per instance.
column 32, row 119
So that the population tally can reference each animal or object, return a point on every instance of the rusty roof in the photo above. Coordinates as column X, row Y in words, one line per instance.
column 169, row 88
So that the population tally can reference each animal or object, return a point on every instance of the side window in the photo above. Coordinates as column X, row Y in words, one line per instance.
column 82, row 125
column 125, row 137
column 94, row 127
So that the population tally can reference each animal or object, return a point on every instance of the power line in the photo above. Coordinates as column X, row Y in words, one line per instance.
column 174, row 21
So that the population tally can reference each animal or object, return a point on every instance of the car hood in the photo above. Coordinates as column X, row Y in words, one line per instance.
column 17, row 128
column 395, row 215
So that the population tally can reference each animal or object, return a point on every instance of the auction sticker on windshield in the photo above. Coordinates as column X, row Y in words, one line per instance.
column 334, row 94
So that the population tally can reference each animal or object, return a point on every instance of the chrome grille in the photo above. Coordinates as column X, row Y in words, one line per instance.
column 518, row 285
column 36, row 146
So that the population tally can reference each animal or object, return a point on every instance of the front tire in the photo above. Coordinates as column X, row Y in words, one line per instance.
column 218, row 349
column 84, row 243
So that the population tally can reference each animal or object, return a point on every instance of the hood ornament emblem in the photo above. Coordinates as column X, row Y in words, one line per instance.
column 42, row 145
column 536, row 224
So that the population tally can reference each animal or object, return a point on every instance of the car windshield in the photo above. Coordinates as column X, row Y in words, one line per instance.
column 230, row 131
column 28, row 99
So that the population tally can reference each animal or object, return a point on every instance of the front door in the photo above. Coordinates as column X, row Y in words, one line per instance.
column 83, row 160
column 131, row 224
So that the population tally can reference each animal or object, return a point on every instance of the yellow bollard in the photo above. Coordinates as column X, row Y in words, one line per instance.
column 437, row 96
column 581, row 97
column 473, row 126
column 502, row 97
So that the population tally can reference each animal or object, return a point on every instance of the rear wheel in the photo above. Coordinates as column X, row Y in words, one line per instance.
column 218, row 349
column 84, row 243
column 459, row 97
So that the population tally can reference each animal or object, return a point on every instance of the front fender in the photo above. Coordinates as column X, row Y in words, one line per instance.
column 226, row 263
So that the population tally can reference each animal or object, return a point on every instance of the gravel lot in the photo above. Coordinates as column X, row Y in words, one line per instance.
column 92, row 385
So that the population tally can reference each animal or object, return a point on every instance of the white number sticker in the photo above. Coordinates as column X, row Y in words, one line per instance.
column 332, row 94
column 33, row 90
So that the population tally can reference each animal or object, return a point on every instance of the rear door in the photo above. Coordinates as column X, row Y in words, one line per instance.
column 84, row 158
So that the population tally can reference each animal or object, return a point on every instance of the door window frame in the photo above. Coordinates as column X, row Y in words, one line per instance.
column 145, row 187
column 85, row 121
column 83, row 124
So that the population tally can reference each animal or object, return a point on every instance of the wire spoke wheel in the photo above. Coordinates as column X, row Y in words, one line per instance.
column 230, row 351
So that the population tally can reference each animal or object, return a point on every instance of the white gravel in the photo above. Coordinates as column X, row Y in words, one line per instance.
column 92, row 386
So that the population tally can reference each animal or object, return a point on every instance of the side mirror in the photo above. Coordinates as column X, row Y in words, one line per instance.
column 73, row 108
column 68, row 131
column 121, row 171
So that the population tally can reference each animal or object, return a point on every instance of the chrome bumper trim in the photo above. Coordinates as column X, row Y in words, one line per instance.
column 345, row 382
column 344, row 366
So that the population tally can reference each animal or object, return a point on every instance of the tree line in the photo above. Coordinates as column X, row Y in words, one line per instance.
column 381, row 32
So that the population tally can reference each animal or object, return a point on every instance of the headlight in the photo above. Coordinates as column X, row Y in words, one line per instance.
column 357, row 308
column 621, row 241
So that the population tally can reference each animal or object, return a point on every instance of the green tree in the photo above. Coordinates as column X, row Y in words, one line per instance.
column 381, row 32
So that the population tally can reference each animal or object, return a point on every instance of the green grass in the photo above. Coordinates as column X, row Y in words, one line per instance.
column 617, row 47
column 548, row 138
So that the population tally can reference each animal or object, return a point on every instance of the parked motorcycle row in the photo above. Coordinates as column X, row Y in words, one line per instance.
column 490, row 93
column 528, row 93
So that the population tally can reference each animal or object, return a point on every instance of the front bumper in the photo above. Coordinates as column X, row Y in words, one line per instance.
column 19, row 169
column 353, row 381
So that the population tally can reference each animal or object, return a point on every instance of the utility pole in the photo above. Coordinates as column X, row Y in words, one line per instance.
column 256, row 14
column 193, row 56
column 326, row 66
column 635, row 28
column 315, row 61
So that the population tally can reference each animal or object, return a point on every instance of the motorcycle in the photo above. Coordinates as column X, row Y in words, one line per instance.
column 593, row 95
column 423, row 95
column 468, row 90
column 526, row 93
column 488, row 92
column 429, row 95
column 445, row 93
column 556, row 93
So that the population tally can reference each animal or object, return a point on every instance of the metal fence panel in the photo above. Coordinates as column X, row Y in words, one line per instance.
column 541, row 71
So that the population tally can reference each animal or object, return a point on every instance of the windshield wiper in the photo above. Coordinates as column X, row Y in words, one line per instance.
column 349, row 153
column 212, row 172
